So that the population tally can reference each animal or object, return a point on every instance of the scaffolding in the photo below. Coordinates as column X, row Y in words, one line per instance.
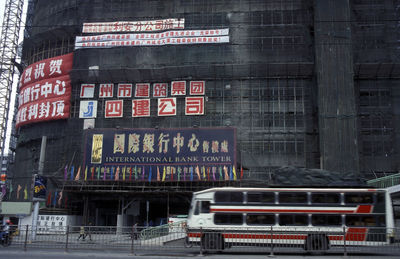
column 8, row 54
column 288, row 69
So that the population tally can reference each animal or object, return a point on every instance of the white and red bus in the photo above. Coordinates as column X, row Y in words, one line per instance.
column 315, row 218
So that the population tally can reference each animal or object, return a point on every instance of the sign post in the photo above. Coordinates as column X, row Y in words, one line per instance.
column 39, row 188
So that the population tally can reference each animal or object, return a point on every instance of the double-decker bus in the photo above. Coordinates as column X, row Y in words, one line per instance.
column 315, row 218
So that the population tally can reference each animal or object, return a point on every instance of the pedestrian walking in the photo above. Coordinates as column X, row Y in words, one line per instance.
column 88, row 233
column 135, row 232
column 81, row 233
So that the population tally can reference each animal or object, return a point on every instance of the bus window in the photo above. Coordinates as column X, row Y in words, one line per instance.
column 261, row 197
column 293, row 197
column 325, row 198
column 293, row 219
column 196, row 208
column 358, row 198
column 205, row 207
column 229, row 197
column 260, row 219
column 365, row 221
column 228, row 219
column 326, row 220
column 380, row 205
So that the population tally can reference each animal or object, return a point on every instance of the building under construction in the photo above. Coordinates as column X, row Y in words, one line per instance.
column 143, row 102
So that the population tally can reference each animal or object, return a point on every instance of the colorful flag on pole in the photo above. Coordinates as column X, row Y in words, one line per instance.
column 150, row 175
column 164, row 174
column 172, row 169
column 230, row 173
column 112, row 173
column 54, row 202
column 65, row 172
column 226, row 173
column 203, row 169
column 25, row 193
column 60, row 198
column 234, row 173
column 104, row 172
column 55, row 199
column 241, row 172
column 220, row 173
column 116, row 178
column 142, row 173
column 198, row 172
column 85, row 173
column 191, row 173
column 130, row 173
column 92, row 172
column 72, row 173
column 158, row 174
column 123, row 173
column 78, row 174
column 184, row 173
column 214, row 170
column 208, row 173
column 48, row 201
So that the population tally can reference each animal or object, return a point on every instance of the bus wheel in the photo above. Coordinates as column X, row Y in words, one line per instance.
column 187, row 243
column 317, row 243
column 213, row 241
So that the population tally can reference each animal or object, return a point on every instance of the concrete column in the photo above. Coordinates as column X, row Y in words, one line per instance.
column 337, row 114
column 120, row 223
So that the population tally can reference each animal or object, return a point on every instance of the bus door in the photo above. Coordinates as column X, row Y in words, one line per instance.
column 201, row 213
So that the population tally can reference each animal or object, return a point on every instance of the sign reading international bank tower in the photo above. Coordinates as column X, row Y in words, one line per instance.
column 161, row 154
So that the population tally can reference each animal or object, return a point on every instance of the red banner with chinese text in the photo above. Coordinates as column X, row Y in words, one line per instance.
column 44, row 110
column 47, row 68
column 45, row 89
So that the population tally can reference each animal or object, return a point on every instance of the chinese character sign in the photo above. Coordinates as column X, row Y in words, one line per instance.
column 53, row 224
column 186, row 37
column 45, row 91
column 48, row 68
column 206, row 153
column 131, row 26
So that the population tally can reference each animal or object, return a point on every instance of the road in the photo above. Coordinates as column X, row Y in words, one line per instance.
column 41, row 253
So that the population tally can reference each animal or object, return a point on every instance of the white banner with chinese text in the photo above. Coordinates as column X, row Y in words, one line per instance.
column 130, row 26
column 160, row 42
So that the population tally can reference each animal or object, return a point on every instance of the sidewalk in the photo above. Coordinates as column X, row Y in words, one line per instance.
column 59, row 254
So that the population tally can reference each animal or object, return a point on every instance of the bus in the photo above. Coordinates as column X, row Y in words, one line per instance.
column 314, row 218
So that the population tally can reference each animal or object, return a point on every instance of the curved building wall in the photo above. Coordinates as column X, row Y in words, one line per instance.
column 263, row 82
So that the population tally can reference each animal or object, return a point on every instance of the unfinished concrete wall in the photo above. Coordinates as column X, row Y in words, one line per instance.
column 337, row 113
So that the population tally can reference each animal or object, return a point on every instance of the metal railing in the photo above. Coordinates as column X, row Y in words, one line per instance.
column 386, row 181
column 159, row 231
column 176, row 239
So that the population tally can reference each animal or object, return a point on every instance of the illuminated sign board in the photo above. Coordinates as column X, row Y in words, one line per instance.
column 160, row 154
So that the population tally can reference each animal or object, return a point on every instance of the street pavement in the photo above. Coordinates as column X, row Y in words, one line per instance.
column 40, row 253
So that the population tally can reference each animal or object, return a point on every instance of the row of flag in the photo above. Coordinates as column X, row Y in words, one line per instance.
column 163, row 173
column 56, row 199
column 21, row 192
column 53, row 197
